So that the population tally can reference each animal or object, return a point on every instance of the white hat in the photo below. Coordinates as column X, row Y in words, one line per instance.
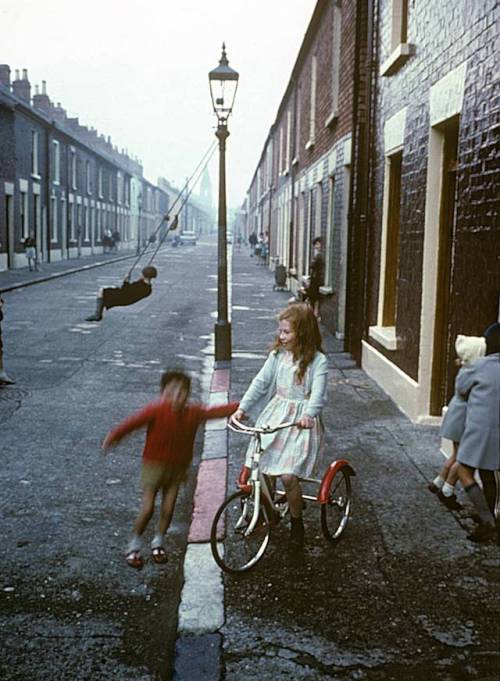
column 470, row 348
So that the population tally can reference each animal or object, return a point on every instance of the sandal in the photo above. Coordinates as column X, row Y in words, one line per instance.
column 134, row 560
column 159, row 555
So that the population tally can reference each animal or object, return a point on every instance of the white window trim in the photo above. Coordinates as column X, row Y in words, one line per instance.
column 336, row 56
column 401, row 50
column 388, row 337
column 88, row 177
column 397, row 58
column 54, row 226
column 385, row 335
column 57, row 162
column 312, row 103
column 34, row 155
column 73, row 167
column 288, row 140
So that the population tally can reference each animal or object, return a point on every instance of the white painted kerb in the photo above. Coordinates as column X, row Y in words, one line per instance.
column 202, row 600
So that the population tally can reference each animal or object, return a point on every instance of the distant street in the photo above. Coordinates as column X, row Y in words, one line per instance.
column 70, row 608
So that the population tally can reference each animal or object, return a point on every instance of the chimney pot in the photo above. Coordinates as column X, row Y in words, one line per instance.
column 17, row 75
column 36, row 90
column 44, row 87
column 25, row 74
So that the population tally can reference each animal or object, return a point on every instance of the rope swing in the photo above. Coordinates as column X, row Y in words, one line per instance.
column 184, row 194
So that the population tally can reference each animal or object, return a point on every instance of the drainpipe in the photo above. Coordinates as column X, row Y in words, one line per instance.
column 291, row 225
column 360, row 194
column 48, row 184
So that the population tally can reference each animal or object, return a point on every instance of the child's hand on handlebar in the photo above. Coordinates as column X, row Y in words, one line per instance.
column 239, row 415
column 306, row 422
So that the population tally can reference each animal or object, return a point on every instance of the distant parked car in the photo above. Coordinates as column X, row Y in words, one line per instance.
column 188, row 238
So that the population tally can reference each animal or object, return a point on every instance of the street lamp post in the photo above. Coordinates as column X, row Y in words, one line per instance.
column 223, row 82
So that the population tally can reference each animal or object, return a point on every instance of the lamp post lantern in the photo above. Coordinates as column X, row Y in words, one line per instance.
column 223, row 82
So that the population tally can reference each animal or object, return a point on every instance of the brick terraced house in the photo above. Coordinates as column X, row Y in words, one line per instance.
column 387, row 144
column 66, row 185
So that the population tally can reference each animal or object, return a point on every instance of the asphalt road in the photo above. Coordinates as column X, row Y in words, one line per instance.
column 70, row 607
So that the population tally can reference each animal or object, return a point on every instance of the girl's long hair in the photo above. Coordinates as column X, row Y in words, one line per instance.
column 307, row 335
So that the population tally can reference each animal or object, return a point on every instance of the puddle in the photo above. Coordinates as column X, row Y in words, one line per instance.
column 248, row 355
column 241, row 307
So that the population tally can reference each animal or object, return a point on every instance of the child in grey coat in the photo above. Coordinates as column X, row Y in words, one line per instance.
column 468, row 349
column 479, row 385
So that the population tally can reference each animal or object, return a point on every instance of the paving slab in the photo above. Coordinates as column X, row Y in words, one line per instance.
column 214, row 444
column 210, row 493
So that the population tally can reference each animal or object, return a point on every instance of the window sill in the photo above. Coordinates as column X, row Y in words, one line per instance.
column 56, row 183
column 36, row 176
column 396, row 60
column 295, row 161
column 332, row 118
column 385, row 335
column 326, row 290
column 309, row 144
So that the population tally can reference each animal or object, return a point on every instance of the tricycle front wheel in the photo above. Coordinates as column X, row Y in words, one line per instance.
column 240, row 552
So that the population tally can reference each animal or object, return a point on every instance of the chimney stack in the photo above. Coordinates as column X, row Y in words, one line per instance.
column 5, row 75
column 58, row 113
column 21, row 86
column 42, row 101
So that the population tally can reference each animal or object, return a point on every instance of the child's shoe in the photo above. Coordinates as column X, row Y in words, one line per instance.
column 451, row 502
column 483, row 533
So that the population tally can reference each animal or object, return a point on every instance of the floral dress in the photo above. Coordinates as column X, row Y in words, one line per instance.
column 291, row 451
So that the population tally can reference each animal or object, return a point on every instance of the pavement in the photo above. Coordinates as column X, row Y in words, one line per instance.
column 10, row 280
column 403, row 595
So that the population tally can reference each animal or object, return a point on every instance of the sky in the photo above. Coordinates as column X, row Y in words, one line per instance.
column 139, row 72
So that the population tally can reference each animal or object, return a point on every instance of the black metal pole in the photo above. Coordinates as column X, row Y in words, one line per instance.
column 222, row 326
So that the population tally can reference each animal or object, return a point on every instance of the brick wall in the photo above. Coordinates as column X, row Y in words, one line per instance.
column 445, row 35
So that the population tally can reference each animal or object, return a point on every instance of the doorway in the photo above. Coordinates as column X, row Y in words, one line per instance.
column 443, row 369
column 9, row 222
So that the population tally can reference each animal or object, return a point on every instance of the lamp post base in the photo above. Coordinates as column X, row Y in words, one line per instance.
column 222, row 341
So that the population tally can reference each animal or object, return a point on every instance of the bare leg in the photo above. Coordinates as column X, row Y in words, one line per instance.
column 147, row 510
column 448, row 464
column 452, row 476
column 169, row 497
column 97, row 316
column 465, row 475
